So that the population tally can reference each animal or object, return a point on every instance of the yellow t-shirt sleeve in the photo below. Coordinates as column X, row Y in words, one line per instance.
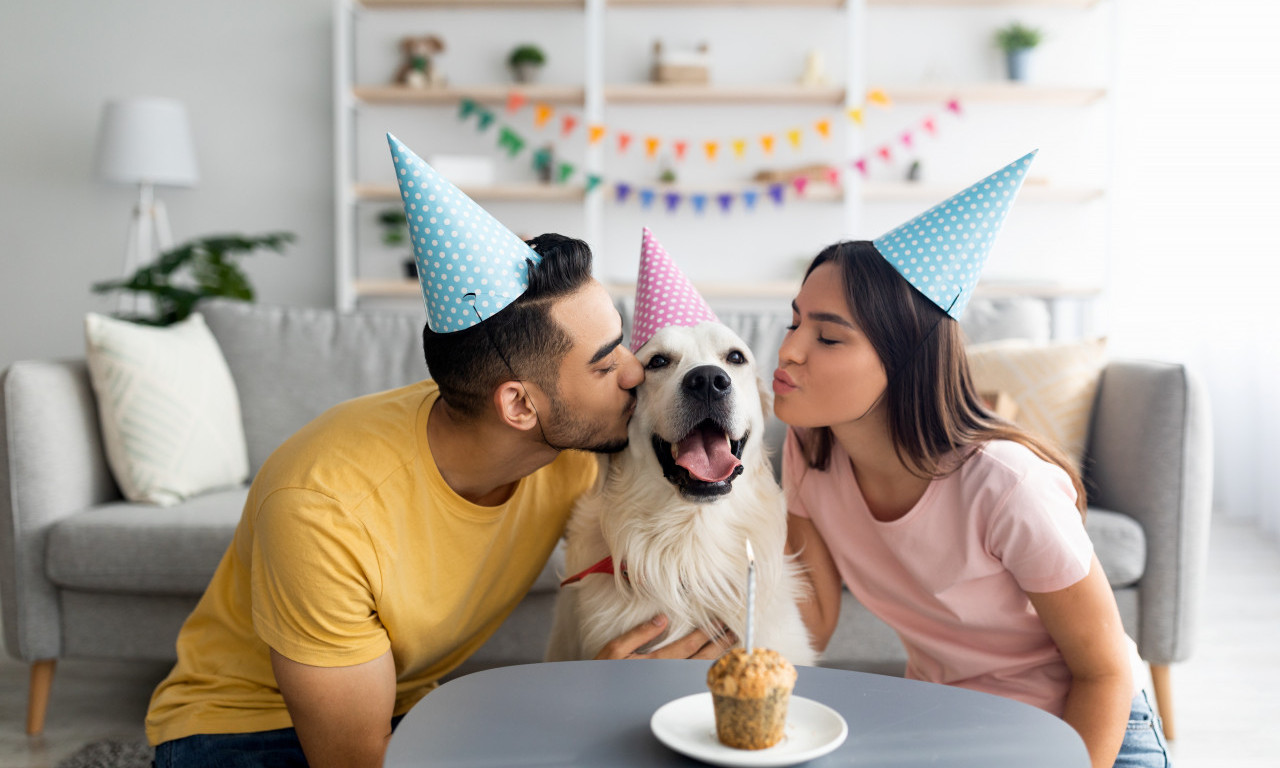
column 315, row 595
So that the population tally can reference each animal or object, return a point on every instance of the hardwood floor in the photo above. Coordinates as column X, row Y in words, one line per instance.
column 1228, row 693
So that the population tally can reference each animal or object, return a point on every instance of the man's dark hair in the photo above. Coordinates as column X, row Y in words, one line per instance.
column 468, row 365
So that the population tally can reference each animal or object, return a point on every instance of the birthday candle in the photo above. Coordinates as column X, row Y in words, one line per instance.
column 751, row 597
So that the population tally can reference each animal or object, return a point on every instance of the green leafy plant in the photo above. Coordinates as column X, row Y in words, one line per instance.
column 198, row 269
column 395, row 227
column 526, row 54
column 1017, row 37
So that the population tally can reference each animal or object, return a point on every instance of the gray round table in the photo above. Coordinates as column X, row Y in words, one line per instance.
column 596, row 713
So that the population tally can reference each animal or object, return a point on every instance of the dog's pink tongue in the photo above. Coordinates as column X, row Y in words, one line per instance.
column 706, row 455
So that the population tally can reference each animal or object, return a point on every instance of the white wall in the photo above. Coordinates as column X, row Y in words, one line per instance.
column 255, row 77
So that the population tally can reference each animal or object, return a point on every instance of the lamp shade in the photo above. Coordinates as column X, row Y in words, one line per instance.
column 146, row 141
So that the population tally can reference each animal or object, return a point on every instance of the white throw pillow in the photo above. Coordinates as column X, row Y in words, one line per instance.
column 168, row 407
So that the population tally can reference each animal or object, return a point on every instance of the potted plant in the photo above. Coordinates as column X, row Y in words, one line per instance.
column 198, row 269
column 1017, row 41
column 395, row 231
column 525, row 61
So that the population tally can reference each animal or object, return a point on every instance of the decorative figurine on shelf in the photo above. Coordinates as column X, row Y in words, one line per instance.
column 668, row 173
column 395, row 232
column 417, row 70
column 913, row 171
column 1017, row 42
column 815, row 70
column 544, row 163
column 526, row 62
column 682, row 67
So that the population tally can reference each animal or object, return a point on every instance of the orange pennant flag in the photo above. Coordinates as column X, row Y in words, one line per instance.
column 651, row 146
column 711, row 147
column 824, row 128
column 855, row 115
column 878, row 97
column 595, row 133
column 515, row 100
column 766, row 142
column 567, row 123
column 739, row 147
column 793, row 136
column 541, row 114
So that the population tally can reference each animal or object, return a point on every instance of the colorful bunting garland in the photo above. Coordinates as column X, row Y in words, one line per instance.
column 513, row 143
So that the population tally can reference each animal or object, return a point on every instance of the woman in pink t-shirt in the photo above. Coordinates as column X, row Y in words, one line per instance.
column 961, row 531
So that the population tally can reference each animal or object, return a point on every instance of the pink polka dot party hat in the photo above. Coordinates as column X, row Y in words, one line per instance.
column 664, row 296
column 942, row 251
column 470, row 266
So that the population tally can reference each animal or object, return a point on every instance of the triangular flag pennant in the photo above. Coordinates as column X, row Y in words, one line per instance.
column 906, row 139
column 593, row 181
column 942, row 251
column 664, row 296
column 515, row 100
column 930, row 126
column 739, row 147
column 681, row 146
column 699, row 201
column 673, row 200
column 564, row 171
column 855, row 115
column 567, row 123
column 541, row 114
column 793, row 136
column 711, row 147
column 595, row 133
column 725, row 200
column 954, row 106
column 823, row 127
column 465, row 108
column 861, row 165
column 878, row 97
column 651, row 144
column 749, row 198
column 885, row 153
column 776, row 192
column 624, row 140
column 800, row 182
column 766, row 143
column 510, row 140
column 646, row 197
column 622, row 191
column 833, row 176
column 470, row 266
column 486, row 119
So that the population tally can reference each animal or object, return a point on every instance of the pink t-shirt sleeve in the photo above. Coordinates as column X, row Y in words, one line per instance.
column 1037, row 532
column 793, row 469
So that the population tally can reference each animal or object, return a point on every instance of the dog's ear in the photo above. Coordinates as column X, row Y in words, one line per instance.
column 602, row 472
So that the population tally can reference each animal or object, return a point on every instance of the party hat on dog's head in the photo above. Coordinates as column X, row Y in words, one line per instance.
column 469, row 265
column 664, row 296
column 942, row 251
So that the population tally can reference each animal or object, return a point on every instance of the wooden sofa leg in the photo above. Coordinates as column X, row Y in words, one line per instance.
column 1164, row 697
column 38, row 698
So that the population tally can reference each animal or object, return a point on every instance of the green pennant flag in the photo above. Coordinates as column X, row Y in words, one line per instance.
column 511, row 141
column 466, row 108
column 565, row 171
column 593, row 181
column 486, row 119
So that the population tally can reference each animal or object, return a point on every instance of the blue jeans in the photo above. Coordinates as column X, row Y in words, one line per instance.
column 260, row 749
column 1144, row 745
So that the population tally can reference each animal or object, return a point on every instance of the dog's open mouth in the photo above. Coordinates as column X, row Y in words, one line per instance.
column 705, row 461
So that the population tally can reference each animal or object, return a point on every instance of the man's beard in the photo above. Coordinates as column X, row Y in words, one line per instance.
column 568, row 431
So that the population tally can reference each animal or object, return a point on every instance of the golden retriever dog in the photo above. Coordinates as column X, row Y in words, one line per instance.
column 665, row 528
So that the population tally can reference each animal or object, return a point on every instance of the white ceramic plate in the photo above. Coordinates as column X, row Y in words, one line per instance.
column 688, row 725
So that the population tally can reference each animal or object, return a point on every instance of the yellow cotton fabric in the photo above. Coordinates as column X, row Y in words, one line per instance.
column 351, row 543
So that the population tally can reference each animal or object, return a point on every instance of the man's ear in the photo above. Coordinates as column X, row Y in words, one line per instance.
column 515, row 406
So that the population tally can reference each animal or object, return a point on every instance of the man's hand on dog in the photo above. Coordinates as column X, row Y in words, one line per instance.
column 695, row 645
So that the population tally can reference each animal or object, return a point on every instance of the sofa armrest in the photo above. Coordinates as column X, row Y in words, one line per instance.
column 1150, row 456
column 52, row 465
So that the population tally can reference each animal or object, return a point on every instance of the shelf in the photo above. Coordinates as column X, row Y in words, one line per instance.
column 489, row 94
column 1060, row 95
column 739, row 3
column 521, row 193
column 908, row 192
column 656, row 93
column 977, row 3
column 472, row 3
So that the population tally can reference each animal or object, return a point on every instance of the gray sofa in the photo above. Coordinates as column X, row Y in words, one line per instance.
column 86, row 574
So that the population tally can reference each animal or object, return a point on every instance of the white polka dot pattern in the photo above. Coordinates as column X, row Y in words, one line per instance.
column 469, row 265
column 664, row 296
column 942, row 251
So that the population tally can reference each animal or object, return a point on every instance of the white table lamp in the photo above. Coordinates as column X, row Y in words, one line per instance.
column 147, row 142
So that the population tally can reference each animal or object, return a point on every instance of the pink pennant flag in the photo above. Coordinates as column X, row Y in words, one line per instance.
column 861, row 165
column 885, row 153
column 800, row 182
column 954, row 106
column 930, row 126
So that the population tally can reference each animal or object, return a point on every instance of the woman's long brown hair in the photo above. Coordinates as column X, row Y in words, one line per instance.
column 934, row 410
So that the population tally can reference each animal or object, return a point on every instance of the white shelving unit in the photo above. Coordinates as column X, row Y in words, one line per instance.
column 593, row 98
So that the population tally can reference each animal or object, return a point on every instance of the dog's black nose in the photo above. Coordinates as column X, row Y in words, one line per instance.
column 708, row 382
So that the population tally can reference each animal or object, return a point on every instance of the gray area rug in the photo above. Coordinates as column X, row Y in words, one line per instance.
column 111, row 753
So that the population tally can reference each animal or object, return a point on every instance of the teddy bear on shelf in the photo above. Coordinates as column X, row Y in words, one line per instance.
column 416, row 67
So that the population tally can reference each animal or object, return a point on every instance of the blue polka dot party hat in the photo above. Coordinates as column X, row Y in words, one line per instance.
column 942, row 251
column 469, row 265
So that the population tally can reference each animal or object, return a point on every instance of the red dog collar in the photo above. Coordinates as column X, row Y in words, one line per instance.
column 604, row 566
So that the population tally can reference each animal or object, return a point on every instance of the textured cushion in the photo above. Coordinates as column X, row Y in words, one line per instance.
column 1053, row 385
column 168, row 407
column 1121, row 546
column 290, row 365
column 143, row 549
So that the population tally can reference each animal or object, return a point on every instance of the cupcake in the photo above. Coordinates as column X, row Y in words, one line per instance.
column 750, row 692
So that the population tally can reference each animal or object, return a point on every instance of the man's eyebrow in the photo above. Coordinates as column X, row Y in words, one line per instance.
column 824, row 317
column 604, row 351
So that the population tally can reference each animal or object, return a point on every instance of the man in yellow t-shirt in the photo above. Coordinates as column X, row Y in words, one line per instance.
column 383, row 543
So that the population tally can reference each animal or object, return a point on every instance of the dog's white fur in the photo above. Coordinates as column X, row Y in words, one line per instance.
column 684, row 557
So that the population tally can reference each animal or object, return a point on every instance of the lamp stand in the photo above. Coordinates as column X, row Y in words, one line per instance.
column 149, row 217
